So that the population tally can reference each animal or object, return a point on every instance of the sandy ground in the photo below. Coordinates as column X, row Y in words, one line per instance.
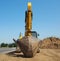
column 44, row 55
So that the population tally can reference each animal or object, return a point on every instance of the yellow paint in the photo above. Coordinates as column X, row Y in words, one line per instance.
column 28, row 26
column 20, row 37
column 29, row 5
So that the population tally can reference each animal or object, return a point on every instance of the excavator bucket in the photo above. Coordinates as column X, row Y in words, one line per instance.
column 29, row 45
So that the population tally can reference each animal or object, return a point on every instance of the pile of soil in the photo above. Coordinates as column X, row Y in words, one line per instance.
column 44, row 55
column 51, row 42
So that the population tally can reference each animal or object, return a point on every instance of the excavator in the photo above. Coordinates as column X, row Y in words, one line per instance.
column 28, row 44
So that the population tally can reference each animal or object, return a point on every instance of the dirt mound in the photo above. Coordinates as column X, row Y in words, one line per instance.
column 44, row 55
column 51, row 42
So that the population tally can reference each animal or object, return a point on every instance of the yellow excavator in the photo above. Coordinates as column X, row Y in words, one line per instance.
column 28, row 44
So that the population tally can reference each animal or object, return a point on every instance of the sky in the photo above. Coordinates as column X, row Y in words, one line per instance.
column 46, row 18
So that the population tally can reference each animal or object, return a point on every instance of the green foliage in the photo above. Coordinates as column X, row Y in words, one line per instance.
column 8, row 45
column 4, row 45
column 12, row 45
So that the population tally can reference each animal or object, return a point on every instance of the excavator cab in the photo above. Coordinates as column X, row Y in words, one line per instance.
column 34, row 34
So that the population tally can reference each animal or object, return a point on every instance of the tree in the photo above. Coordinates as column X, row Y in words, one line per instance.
column 4, row 45
column 12, row 45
